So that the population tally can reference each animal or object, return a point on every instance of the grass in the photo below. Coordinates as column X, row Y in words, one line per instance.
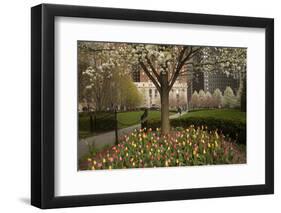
column 227, row 114
column 126, row 119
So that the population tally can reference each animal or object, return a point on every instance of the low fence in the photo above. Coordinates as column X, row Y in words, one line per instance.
column 102, row 122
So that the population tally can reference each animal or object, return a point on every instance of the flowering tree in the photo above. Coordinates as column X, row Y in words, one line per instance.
column 195, row 100
column 104, row 77
column 217, row 98
column 202, row 99
column 231, row 61
column 164, row 64
column 229, row 99
column 208, row 100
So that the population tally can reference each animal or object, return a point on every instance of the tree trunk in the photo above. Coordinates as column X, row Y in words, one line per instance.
column 243, row 97
column 165, row 123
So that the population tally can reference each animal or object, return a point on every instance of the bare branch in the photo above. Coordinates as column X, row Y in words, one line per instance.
column 174, row 78
column 154, row 81
column 152, row 68
column 178, row 64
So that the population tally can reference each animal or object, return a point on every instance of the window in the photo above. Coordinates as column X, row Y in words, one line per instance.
column 150, row 93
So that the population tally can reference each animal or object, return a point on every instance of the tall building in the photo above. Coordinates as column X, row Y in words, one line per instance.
column 209, row 81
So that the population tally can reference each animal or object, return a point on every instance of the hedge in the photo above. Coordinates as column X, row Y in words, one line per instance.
column 101, row 122
column 236, row 130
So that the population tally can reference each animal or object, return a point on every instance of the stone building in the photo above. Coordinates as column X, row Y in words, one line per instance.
column 151, row 96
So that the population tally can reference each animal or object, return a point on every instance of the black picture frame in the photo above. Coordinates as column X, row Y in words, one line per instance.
column 43, row 102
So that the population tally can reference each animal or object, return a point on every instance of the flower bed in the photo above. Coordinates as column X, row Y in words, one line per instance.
column 142, row 149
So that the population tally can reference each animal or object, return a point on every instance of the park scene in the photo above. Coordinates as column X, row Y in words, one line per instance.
column 160, row 105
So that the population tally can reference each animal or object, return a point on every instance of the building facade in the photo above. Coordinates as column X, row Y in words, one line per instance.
column 151, row 96
column 209, row 81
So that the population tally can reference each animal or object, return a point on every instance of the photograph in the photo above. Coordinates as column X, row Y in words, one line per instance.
column 134, row 105
column 160, row 105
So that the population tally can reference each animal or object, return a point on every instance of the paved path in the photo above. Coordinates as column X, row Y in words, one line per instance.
column 177, row 115
column 101, row 140
column 108, row 138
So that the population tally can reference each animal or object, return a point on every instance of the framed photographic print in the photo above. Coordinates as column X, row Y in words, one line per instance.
column 139, row 106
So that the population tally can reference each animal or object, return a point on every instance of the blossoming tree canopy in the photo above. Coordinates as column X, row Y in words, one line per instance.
column 104, row 75
column 163, row 64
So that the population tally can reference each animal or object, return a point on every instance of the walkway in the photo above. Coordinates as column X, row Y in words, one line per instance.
column 101, row 140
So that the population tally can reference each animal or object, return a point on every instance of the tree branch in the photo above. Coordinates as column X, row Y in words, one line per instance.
column 173, row 80
column 213, row 64
column 152, row 68
column 181, row 64
column 179, row 67
column 154, row 81
column 178, row 63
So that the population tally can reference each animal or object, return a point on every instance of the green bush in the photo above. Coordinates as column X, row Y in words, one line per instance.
column 236, row 130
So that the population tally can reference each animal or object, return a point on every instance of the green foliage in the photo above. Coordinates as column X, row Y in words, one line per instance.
column 229, row 99
column 231, row 123
column 104, row 77
column 229, row 114
column 102, row 122
column 129, row 96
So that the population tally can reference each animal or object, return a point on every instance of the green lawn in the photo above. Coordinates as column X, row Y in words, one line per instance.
column 126, row 119
column 227, row 114
column 106, row 121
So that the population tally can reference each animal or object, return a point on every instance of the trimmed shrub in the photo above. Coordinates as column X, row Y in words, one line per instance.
column 102, row 122
column 236, row 130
